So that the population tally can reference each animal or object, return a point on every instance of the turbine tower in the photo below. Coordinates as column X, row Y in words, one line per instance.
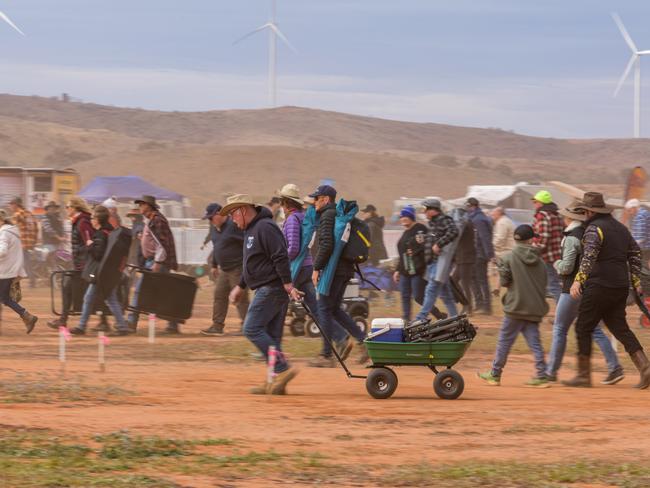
column 635, row 60
column 4, row 17
column 274, row 33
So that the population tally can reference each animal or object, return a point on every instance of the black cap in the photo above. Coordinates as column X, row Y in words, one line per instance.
column 369, row 208
column 472, row 202
column 211, row 210
column 524, row 232
column 324, row 191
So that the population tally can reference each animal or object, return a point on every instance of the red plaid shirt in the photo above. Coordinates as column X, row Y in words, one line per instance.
column 549, row 227
column 28, row 227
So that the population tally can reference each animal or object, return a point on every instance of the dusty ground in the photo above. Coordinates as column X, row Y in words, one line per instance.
column 193, row 387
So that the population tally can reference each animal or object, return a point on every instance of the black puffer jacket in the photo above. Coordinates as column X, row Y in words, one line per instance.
column 325, row 237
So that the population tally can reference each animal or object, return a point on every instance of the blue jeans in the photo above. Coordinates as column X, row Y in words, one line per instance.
column 411, row 288
column 133, row 316
column 112, row 302
column 304, row 283
column 330, row 312
column 264, row 322
column 434, row 290
column 5, row 287
column 510, row 329
column 565, row 314
column 553, row 282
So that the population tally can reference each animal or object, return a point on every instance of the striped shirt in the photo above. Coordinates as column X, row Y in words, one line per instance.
column 641, row 228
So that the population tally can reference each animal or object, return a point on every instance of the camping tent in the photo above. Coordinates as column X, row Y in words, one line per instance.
column 124, row 188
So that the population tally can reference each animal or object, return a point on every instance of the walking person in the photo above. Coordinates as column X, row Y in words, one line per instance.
column 299, row 228
column 567, row 307
column 484, row 254
column 376, row 225
column 503, row 229
column 52, row 230
column 81, row 232
column 12, row 268
column 465, row 264
column 158, row 249
column 95, row 249
column 442, row 232
column 227, row 258
column 412, row 265
column 331, row 273
column 28, row 228
column 265, row 270
column 548, row 226
column 611, row 258
column 640, row 227
column 523, row 274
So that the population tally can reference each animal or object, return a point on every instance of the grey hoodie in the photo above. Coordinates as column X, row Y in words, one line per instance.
column 523, row 273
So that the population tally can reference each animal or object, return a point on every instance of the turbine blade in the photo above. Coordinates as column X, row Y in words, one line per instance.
column 4, row 17
column 251, row 33
column 282, row 37
column 625, row 73
column 624, row 32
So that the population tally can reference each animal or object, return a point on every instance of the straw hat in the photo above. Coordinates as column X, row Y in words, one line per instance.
column 237, row 201
column 292, row 192
column 78, row 204
column 573, row 214
column 594, row 202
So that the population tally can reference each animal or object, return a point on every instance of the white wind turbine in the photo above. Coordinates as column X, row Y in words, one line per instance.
column 635, row 60
column 274, row 33
column 4, row 17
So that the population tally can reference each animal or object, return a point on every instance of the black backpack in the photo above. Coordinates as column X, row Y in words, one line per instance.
column 357, row 250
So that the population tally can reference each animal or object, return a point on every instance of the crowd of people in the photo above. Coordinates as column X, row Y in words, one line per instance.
column 294, row 248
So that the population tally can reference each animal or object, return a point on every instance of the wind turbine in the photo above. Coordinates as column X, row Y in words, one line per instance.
column 274, row 33
column 635, row 60
column 4, row 17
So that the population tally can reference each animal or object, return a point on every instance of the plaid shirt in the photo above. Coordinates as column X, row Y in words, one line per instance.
column 548, row 225
column 162, row 232
column 442, row 231
column 27, row 226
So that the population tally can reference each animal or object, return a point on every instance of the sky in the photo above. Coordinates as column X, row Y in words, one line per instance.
column 544, row 68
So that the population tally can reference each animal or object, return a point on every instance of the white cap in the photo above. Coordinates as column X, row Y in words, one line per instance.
column 110, row 203
column 633, row 203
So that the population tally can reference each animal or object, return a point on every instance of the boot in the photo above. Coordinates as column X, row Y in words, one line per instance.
column 281, row 380
column 583, row 376
column 263, row 389
column 29, row 320
column 641, row 362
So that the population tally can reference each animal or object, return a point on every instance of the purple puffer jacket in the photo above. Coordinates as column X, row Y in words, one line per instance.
column 292, row 231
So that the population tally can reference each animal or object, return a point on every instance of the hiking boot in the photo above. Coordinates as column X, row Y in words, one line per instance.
column 264, row 389
column 583, row 376
column 489, row 378
column 344, row 348
column 56, row 323
column 213, row 330
column 78, row 331
column 363, row 356
column 281, row 380
column 641, row 362
column 551, row 378
column 537, row 383
column 321, row 361
column 614, row 376
column 29, row 320
column 171, row 331
column 439, row 314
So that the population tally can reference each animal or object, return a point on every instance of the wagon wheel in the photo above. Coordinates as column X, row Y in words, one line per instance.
column 361, row 323
column 312, row 329
column 297, row 327
column 448, row 384
column 381, row 383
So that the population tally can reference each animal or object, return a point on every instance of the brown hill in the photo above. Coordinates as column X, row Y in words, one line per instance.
column 203, row 154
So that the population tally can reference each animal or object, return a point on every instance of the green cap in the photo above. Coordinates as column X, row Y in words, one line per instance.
column 543, row 196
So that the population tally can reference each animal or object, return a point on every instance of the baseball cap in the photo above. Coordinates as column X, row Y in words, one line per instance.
column 543, row 196
column 432, row 203
column 324, row 191
column 211, row 210
column 369, row 208
column 524, row 232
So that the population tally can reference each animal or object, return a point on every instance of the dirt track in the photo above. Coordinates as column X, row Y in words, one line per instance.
column 204, row 394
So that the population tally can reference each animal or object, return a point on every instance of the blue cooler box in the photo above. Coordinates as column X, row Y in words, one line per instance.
column 387, row 330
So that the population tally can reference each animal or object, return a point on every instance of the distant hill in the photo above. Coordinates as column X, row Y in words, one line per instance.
column 204, row 154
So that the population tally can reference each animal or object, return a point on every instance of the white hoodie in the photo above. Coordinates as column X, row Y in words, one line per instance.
column 11, row 253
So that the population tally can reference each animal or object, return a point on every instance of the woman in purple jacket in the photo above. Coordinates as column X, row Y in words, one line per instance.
column 293, row 205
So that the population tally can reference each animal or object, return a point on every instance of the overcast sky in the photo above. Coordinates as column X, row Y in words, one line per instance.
column 545, row 68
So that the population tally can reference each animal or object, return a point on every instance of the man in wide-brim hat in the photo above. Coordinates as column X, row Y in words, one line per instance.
column 610, row 256
column 265, row 270
column 567, row 306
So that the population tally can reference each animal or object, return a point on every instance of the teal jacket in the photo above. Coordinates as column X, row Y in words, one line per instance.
column 309, row 226
column 345, row 212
